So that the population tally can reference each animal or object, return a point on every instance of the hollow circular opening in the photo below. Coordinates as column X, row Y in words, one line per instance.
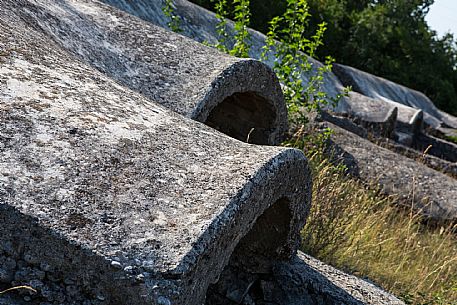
column 250, row 264
column 245, row 116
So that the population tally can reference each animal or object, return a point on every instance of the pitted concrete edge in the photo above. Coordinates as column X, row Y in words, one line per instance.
column 199, row 24
column 168, row 68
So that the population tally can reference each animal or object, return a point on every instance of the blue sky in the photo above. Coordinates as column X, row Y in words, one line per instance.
column 442, row 17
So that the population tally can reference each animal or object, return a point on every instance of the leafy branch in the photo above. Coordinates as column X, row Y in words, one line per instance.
column 169, row 11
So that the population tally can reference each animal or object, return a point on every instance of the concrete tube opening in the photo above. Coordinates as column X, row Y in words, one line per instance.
column 251, row 261
column 245, row 116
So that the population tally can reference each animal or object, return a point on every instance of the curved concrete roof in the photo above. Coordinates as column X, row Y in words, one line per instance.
column 199, row 24
column 131, row 201
column 242, row 95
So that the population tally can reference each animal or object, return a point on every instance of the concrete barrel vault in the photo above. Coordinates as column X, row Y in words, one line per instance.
column 107, row 197
column 240, row 97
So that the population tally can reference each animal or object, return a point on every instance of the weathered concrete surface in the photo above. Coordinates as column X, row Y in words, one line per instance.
column 431, row 191
column 382, row 89
column 380, row 118
column 368, row 109
column 240, row 97
column 306, row 280
column 380, row 110
column 200, row 25
column 301, row 281
column 444, row 166
column 106, row 197
column 370, row 131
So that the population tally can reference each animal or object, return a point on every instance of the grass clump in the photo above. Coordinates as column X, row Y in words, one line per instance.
column 361, row 231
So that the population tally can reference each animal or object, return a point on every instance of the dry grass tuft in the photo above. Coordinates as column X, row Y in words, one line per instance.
column 18, row 288
column 363, row 232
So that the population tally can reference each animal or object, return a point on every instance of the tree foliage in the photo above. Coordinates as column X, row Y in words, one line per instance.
column 389, row 38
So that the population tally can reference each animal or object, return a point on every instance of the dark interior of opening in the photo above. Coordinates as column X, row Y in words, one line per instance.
column 245, row 116
column 247, row 279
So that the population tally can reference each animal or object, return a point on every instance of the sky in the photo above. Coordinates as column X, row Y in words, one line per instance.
column 442, row 17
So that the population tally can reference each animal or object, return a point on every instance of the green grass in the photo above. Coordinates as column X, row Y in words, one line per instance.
column 363, row 232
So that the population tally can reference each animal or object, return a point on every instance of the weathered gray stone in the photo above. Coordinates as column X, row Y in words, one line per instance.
column 305, row 277
column 434, row 153
column 106, row 197
column 437, row 147
column 447, row 167
column 118, row 200
column 199, row 24
column 240, row 97
column 378, row 117
column 382, row 89
column 369, row 109
column 302, row 280
column 431, row 191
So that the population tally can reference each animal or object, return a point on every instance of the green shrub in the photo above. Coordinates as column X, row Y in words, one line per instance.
column 292, row 51
column 169, row 11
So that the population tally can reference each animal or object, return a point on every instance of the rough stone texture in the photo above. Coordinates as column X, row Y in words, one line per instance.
column 305, row 280
column 236, row 96
column 447, row 167
column 301, row 281
column 106, row 197
column 378, row 94
column 431, row 191
column 199, row 24
column 369, row 109
column 382, row 89
column 380, row 118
